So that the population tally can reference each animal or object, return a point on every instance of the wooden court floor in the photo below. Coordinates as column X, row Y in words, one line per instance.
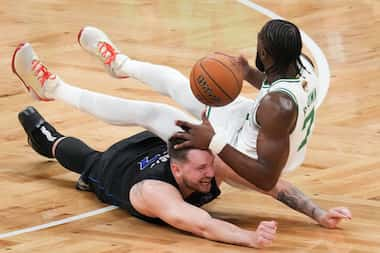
column 342, row 167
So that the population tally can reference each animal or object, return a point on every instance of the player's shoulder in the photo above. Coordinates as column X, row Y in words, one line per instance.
column 279, row 104
column 149, row 193
column 152, row 187
column 277, row 112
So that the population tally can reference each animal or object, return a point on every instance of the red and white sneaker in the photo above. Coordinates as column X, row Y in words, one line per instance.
column 35, row 76
column 97, row 43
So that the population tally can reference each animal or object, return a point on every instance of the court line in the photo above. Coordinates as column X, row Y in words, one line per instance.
column 316, row 51
column 324, row 77
column 58, row 222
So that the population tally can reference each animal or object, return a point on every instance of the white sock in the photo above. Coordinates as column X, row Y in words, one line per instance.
column 64, row 92
column 155, row 117
column 166, row 80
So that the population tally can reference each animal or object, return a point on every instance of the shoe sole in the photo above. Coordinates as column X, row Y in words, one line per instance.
column 79, row 36
column 29, row 88
column 30, row 120
column 78, row 39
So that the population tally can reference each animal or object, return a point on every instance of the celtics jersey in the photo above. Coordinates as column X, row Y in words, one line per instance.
column 303, row 91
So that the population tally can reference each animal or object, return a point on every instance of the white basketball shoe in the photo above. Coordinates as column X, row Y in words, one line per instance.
column 97, row 43
column 35, row 76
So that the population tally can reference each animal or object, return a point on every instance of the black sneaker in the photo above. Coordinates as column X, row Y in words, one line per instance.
column 82, row 185
column 41, row 135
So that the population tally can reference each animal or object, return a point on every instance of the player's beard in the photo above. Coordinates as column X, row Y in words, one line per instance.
column 259, row 63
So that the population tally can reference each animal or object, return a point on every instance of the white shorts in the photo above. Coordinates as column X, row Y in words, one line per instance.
column 230, row 119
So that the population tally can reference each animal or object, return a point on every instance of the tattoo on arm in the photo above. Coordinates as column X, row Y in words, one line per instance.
column 295, row 199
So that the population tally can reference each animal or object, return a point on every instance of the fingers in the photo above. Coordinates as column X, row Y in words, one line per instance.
column 266, row 233
column 184, row 125
column 204, row 117
column 185, row 144
column 340, row 212
column 224, row 54
column 182, row 135
column 269, row 224
column 262, row 242
column 268, row 229
column 343, row 211
column 335, row 214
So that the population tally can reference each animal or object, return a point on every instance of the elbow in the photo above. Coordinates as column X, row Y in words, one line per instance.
column 269, row 178
column 202, row 227
column 267, row 187
column 268, row 184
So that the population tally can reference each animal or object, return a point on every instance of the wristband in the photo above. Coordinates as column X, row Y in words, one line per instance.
column 217, row 143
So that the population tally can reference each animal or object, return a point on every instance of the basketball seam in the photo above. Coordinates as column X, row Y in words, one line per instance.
column 227, row 68
column 216, row 84
column 199, row 91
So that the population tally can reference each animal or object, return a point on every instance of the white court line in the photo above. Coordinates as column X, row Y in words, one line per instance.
column 324, row 78
column 58, row 222
column 318, row 55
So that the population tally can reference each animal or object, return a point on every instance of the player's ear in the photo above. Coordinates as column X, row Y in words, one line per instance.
column 176, row 169
column 263, row 54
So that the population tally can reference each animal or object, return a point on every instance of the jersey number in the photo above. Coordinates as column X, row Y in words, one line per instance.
column 308, row 122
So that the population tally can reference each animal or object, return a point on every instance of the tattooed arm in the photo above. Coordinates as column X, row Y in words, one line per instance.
column 297, row 200
column 288, row 194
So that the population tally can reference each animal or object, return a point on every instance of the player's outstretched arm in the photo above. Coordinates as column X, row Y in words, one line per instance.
column 161, row 200
column 294, row 198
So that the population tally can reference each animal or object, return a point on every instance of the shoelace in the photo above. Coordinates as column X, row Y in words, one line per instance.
column 107, row 52
column 40, row 71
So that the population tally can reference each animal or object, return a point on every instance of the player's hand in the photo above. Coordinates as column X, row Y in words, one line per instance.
column 264, row 235
column 334, row 216
column 196, row 136
column 241, row 62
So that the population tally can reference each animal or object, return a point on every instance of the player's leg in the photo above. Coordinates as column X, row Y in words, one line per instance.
column 158, row 118
column 155, row 117
column 70, row 152
column 164, row 79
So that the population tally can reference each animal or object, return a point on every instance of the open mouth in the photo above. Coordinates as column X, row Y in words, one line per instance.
column 205, row 183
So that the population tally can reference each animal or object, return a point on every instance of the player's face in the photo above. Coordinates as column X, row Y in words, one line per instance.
column 199, row 170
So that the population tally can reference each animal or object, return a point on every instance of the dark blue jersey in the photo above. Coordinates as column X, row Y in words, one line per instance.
column 130, row 161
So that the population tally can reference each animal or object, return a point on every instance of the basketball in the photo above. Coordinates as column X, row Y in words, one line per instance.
column 216, row 80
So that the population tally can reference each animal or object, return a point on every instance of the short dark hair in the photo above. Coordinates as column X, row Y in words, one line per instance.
column 282, row 40
column 177, row 154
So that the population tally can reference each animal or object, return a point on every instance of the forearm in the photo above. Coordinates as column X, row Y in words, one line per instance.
column 218, row 230
column 297, row 200
column 248, row 168
column 254, row 77
column 199, row 222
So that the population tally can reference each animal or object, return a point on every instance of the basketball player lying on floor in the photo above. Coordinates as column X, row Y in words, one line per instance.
column 154, row 182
